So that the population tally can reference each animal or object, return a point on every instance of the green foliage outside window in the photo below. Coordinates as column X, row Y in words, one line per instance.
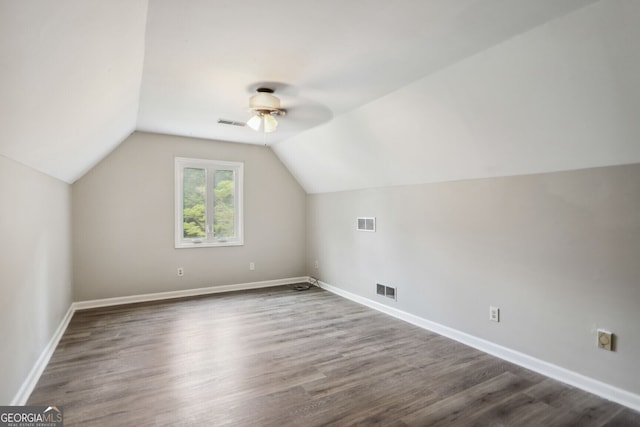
column 193, row 213
column 194, row 200
column 223, row 204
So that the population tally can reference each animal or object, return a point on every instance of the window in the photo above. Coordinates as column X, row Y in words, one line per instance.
column 208, row 203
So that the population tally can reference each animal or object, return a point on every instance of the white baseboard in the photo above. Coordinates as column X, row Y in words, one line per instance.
column 106, row 302
column 574, row 379
column 29, row 384
column 590, row 385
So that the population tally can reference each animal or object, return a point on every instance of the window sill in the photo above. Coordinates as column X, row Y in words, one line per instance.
column 190, row 245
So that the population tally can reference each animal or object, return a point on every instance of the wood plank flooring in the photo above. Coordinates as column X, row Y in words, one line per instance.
column 279, row 357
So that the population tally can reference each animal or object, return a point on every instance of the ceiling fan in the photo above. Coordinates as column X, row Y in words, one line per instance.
column 265, row 106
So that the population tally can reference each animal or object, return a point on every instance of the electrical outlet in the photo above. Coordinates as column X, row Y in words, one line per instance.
column 180, row 271
column 252, row 266
column 605, row 340
column 494, row 314
column 316, row 265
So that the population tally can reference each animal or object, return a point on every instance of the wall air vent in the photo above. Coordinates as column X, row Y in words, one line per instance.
column 366, row 223
column 390, row 292
column 386, row 291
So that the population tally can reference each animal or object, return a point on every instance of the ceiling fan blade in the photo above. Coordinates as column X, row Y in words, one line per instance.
column 304, row 115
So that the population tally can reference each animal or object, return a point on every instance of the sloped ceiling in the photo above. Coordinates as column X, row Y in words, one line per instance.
column 562, row 96
column 203, row 59
column 69, row 80
column 378, row 93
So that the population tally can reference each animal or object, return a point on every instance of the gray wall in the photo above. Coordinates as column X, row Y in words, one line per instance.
column 123, row 213
column 558, row 253
column 35, row 268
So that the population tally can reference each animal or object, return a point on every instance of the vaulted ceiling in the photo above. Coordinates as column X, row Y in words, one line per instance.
column 378, row 93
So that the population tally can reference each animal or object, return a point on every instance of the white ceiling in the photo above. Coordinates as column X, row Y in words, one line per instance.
column 69, row 80
column 203, row 59
column 78, row 76
column 562, row 96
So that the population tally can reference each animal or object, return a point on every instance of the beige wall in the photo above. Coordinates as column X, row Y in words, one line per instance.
column 123, row 212
column 35, row 268
column 558, row 253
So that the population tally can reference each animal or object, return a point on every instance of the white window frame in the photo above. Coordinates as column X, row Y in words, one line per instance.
column 210, row 167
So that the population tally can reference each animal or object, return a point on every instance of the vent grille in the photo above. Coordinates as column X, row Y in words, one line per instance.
column 386, row 291
column 366, row 223
column 231, row 122
column 390, row 292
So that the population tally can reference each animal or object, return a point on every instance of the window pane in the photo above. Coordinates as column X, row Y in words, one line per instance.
column 223, row 204
column 193, row 202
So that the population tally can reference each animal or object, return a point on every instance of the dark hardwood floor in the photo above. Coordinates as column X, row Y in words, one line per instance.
column 279, row 357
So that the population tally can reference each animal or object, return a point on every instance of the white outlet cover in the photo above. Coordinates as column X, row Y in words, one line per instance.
column 494, row 314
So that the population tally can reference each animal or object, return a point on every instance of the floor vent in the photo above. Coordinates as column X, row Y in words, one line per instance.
column 366, row 223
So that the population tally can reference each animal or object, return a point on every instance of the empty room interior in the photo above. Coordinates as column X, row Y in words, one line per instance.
column 321, row 213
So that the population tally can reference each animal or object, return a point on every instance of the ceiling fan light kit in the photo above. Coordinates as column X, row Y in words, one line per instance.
column 255, row 122
column 265, row 106
column 270, row 123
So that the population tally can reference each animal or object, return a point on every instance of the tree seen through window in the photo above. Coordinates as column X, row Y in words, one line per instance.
column 194, row 202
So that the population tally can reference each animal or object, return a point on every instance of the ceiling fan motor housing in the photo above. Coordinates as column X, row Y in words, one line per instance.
column 264, row 100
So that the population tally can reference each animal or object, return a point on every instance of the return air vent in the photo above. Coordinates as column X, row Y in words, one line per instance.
column 386, row 291
column 390, row 292
column 366, row 223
